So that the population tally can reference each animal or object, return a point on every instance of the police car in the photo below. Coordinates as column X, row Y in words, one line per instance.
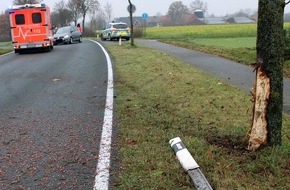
column 115, row 31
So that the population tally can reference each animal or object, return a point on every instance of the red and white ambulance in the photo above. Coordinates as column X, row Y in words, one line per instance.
column 31, row 27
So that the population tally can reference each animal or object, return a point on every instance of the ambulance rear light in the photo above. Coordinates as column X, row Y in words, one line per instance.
column 45, row 45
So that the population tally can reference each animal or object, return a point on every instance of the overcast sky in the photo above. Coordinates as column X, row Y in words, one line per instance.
column 152, row 7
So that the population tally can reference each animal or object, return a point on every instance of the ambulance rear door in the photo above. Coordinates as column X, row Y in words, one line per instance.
column 29, row 26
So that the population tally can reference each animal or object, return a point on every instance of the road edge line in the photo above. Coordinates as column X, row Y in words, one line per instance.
column 103, row 166
column 5, row 54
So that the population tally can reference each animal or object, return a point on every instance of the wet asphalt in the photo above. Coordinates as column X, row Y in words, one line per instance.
column 238, row 75
column 51, row 115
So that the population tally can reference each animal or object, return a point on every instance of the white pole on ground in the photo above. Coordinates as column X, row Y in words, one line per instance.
column 120, row 40
column 189, row 164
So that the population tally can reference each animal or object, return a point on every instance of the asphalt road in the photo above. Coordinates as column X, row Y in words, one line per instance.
column 51, row 115
column 230, row 72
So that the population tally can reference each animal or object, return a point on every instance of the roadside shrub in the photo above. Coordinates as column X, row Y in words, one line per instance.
column 5, row 37
column 138, row 32
column 89, row 33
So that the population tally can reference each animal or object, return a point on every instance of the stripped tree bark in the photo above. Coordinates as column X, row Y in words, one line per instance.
column 268, row 95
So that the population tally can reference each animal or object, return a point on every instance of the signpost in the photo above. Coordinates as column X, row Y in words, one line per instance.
column 145, row 17
column 131, row 9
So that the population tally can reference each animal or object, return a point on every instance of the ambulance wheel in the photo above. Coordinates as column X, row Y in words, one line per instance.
column 49, row 48
column 20, row 51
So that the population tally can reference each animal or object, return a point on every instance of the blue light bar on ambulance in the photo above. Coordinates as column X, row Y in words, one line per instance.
column 28, row 6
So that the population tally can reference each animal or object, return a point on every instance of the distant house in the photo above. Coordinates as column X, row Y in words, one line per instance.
column 215, row 20
column 185, row 19
column 243, row 20
column 151, row 21
column 255, row 16
column 137, row 21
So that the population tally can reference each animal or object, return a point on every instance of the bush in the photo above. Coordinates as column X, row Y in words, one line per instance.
column 89, row 33
column 138, row 32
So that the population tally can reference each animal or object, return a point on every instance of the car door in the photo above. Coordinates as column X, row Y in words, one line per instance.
column 75, row 33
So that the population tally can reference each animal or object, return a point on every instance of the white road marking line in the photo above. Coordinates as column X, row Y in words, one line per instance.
column 103, row 167
column 6, row 54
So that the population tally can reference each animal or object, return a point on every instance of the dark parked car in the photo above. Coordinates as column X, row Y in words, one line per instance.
column 115, row 31
column 67, row 34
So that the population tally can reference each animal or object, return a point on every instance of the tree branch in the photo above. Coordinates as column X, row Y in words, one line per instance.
column 286, row 3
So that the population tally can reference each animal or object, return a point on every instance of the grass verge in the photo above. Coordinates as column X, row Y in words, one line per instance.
column 5, row 47
column 159, row 98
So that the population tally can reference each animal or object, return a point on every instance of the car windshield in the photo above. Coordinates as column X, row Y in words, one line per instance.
column 63, row 30
column 120, row 26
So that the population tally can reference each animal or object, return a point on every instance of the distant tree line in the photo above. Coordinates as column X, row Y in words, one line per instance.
column 66, row 12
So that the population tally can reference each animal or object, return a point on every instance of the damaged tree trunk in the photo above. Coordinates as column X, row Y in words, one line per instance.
column 268, row 95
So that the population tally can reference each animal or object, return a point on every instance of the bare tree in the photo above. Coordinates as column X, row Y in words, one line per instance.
column 176, row 10
column 268, row 106
column 100, row 20
column 108, row 9
column 62, row 15
column 74, row 8
column 198, row 5
column 87, row 6
column 5, row 27
column 59, row 5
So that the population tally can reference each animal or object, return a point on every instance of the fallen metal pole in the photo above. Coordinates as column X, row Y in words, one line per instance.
column 189, row 164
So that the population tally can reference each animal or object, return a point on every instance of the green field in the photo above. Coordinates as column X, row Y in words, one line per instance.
column 242, row 42
column 236, row 42
column 203, row 31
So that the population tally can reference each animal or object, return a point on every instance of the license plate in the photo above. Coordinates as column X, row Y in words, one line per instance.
column 31, row 45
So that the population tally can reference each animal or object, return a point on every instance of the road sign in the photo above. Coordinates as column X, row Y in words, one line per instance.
column 144, row 16
column 133, row 8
